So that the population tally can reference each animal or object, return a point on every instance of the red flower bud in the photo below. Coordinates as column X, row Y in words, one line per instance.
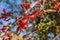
column 37, row 13
column 4, row 28
column 32, row 18
column 38, row 3
column 9, row 35
column 4, row 10
column 23, row 23
column 57, row 7
column 3, row 16
column 9, row 13
column 19, row 28
column 26, row 5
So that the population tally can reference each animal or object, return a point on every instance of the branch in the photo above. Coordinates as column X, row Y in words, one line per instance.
column 32, row 5
column 50, row 10
column 56, row 36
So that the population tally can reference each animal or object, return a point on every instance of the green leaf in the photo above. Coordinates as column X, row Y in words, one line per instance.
column 42, row 24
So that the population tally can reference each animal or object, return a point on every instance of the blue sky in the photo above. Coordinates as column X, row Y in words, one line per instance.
column 4, row 4
column 7, row 6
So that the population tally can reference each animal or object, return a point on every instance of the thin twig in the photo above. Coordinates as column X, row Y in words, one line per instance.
column 32, row 5
column 56, row 36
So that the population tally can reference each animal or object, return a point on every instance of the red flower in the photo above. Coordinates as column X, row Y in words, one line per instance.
column 26, row 5
column 26, row 25
column 20, row 22
column 19, row 28
column 9, row 13
column 37, row 13
column 4, row 28
column 3, row 16
column 47, row 0
column 41, row 16
column 57, row 7
column 32, row 18
column 23, row 23
column 4, row 10
column 20, row 25
column 9, row 35
column 24, row 20
column 38, row 3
